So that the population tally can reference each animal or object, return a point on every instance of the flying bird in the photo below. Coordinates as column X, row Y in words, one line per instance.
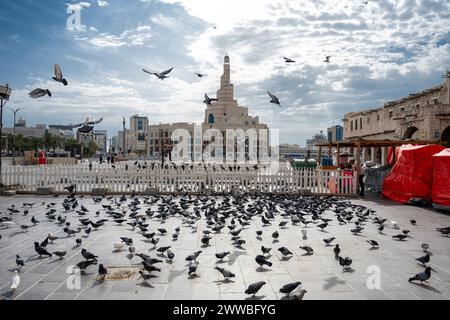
column 274, row 99
column 162, row 75
column 200, row 75
column 38, row 93
column 327, row 59
column 287, row 60
column 59, row 76
column 208, row 100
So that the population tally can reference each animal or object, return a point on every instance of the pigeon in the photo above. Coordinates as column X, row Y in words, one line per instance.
column 127, row 241
column 88, row 255
column 60, row 254
column 193, row 269
column 144, row 275
column 15, row 281
column 265, row 250
column 304, row 234
column 275, row 235
column 69, row 231
column 59, row 76
column 163, row 249
column 78, row 241
column 400, row 236
column 208, row 100
column 274, row 99
column 413, row 222
column 285, row 251
column 373, row 243
column 200, row 75
column 34, row 221
column 287, row 60
column 336, row 251
column 41, row 251
column 328, row 241
column 261, row 260
column 161, row 75
column 222, row 255
column 423, row 276
column 226, row 274
column 170, row 254
column 322, row 226
column 38, row 93
column 259, row 233
column 425, row 259
column 298, row 295
column 288, row 288
column 425, row 247
column 83, row 265
column 193, row 257
column 282, row 224
column 149, row 267
column 102, row 272
column 19, row 261
column 254, row 288
column 345, row 262
column 308, row 249
column 327, row 59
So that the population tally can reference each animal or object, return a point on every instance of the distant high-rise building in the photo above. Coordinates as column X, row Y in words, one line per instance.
column 335, row 133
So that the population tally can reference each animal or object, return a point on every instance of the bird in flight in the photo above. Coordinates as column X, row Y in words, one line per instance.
column 161, row 75
column 208, row 100
column 274, row 99
column 200, row 75
column 287, row 60
column 38, row 93
column 59, row 76
column 327, row 59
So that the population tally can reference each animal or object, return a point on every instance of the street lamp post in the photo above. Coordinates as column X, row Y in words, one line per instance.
column 14, row 133
column 123, row 140
column 5, row 93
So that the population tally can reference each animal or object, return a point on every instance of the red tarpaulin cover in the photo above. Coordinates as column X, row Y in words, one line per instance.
column 412, row 174
column 441, row 178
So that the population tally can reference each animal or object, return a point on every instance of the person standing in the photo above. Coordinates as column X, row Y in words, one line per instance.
column 360, row 171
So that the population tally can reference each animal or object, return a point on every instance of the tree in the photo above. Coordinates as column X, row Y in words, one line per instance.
column 89, row 149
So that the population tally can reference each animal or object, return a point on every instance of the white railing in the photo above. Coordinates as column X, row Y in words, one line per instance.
column 126, row 177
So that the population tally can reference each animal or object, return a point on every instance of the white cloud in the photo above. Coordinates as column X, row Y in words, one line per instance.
column 102, row 3
column 135, row 37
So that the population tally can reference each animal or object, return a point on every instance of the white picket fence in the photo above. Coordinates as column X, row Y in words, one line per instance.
column 122, row 179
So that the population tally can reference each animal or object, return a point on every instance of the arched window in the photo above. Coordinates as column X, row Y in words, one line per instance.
column 211, row 119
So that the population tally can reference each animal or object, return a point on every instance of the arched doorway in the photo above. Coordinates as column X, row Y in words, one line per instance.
column 211, row 119
column 446, row 137
column 411, row 132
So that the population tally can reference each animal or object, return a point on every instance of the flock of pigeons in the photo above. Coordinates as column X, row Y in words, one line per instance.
column 228, row 214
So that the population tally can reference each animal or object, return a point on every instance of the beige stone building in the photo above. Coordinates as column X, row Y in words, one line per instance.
column 223, row 114
column 421, row 116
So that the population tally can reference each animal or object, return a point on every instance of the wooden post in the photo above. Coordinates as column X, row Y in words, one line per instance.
column 338, row 154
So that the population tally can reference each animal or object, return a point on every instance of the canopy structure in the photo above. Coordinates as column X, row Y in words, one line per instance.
column 362, row 143
column 412, row 174
column 441, row 180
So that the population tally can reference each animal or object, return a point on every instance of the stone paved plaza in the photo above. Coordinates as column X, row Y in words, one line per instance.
column 319, row 273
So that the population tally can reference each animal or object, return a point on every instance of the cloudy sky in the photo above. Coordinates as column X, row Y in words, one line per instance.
column 381, row 50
